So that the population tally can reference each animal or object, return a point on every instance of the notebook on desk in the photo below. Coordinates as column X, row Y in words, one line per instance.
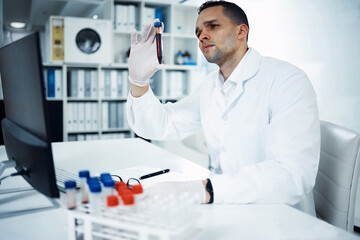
column 141, row 170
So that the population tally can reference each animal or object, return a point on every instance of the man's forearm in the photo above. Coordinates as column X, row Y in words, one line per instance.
column 137, row 91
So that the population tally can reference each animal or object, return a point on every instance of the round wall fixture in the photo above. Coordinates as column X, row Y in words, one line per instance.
column 88, row 41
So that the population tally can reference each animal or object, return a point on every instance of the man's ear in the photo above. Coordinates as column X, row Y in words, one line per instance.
column 242, row 31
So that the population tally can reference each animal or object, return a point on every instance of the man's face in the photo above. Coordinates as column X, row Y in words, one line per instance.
column 217, row 35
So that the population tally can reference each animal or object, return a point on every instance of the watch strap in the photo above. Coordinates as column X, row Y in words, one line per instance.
column 209, row 189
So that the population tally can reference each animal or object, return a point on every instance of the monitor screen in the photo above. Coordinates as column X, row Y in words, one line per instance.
column 26, row 126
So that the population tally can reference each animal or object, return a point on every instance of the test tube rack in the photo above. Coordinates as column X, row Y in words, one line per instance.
column 134, row 222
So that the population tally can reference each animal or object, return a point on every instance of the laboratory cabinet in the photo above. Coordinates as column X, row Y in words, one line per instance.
column 92, row 96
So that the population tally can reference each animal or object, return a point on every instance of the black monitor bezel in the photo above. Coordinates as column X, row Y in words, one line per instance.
column 29, row 150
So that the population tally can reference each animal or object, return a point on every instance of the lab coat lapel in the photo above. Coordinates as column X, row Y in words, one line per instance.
column 219, row 98
column 248, row 67
column 217, row 95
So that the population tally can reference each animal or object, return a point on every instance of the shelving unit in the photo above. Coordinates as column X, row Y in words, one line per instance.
column 98, row 104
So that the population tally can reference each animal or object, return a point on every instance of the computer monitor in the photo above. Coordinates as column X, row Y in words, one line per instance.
column 26, row 126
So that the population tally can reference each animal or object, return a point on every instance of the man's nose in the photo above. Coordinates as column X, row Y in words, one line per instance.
column 204, row 36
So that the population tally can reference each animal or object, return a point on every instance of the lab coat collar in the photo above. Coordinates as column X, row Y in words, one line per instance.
column 248, row 67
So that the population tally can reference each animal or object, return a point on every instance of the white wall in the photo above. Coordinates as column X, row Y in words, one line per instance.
column 323, row 38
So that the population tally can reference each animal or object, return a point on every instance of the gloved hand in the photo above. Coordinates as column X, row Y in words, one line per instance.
column 143, row 62
column 164, row 190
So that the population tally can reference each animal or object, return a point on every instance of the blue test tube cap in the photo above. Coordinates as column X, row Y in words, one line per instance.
column 108, row 182
column 157, row 24
column 95, row 187
column 84, row 174
column 70, row 184
column 92, row 180
column 105, row 176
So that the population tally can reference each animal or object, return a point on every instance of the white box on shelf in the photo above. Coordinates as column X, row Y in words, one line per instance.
column 78, row 40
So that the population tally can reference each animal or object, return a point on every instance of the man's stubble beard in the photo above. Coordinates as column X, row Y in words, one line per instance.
column 215, row 57
column 221, row 55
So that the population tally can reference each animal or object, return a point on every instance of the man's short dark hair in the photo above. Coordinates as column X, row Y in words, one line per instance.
column 230, row 10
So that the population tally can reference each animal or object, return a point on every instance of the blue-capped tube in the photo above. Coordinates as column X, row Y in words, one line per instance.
column 108, row 187
column 95, row 197
column 70, row 190
column 84, row 189
column 104, row 176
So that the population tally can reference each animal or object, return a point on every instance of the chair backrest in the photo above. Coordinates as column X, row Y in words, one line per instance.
column 337, row 179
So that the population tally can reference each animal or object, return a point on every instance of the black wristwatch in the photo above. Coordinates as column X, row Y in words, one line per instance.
column 209, row 189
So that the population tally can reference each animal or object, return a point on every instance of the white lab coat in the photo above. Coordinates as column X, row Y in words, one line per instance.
column 264, row 141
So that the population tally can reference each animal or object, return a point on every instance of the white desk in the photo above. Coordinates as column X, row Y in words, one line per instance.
column 216, row 222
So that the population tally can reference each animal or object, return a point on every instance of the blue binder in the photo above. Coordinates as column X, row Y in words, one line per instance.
column 51, row 83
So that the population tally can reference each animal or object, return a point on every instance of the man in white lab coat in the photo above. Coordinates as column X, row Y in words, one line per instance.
column 259, row 115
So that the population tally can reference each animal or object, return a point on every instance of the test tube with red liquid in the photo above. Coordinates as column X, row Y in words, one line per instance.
column 158, row 33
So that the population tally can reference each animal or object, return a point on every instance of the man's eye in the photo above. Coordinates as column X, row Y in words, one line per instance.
column 214, row 25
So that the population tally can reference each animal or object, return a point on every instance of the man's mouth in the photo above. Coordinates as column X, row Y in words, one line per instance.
column 206, row 47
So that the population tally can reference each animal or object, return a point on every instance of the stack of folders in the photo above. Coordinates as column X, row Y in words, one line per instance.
column 53, row 83
column 125, row 17
column 176, row 84
column 82, row 116
column 82, row 84
column 152, row 13
column 114, row 116
column 115, row 135
column 95, row 136
column 114, row 84
column 83, row 137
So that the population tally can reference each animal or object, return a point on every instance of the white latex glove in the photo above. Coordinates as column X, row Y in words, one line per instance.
column 166, row 190
column 143, row 62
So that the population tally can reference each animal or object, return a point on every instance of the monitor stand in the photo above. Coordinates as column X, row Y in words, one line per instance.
column 10, row 164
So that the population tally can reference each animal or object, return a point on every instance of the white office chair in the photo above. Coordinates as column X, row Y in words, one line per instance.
column 337, row 179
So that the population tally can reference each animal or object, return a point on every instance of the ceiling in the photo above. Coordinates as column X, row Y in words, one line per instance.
column 36, row 12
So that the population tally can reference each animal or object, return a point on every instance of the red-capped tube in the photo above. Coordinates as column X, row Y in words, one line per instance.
column 112, row 201
column 119, row 185
column 124, row 191
column 128, row 199
column 137, row 189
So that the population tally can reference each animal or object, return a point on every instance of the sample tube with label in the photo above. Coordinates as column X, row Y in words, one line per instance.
column 84, row 175
column 95, row 197
column 112, row 201
column 158, row 35
column 109, row 185
column 70, row 189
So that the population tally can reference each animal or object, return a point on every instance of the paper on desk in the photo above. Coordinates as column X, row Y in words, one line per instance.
column 138, row 171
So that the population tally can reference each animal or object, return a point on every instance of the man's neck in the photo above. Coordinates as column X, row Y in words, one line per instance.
column 228, row 67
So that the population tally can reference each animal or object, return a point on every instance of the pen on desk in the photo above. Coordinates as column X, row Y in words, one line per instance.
column 154, row 174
